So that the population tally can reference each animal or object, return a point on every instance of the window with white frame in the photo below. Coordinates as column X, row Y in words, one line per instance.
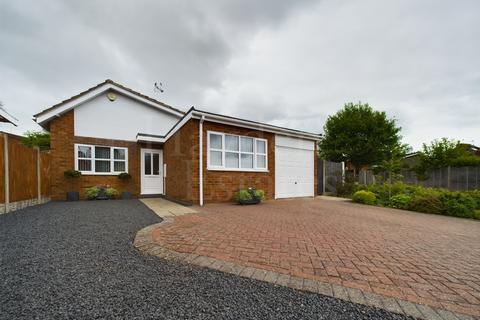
column 90, row 159
column 233, row 152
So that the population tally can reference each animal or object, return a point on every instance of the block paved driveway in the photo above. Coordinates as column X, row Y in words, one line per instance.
column 76, row 261
column 426, row 259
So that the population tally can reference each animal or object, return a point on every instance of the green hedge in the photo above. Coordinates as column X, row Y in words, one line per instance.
column 398, row 195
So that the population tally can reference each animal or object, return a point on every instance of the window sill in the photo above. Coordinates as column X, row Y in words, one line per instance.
column 101, row 173
column 238, row 170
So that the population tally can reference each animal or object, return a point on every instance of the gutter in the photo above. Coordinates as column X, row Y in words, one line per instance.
column 196, row 114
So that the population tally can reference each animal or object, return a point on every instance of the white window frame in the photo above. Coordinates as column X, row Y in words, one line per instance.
column 92, row 159
column 223, row 150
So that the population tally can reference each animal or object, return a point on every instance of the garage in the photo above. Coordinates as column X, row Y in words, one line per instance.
column 294, row 167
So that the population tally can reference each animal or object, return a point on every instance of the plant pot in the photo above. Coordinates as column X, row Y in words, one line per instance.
column 73, row 196
column 102, row 194
column 126, row 195
column 251, row 201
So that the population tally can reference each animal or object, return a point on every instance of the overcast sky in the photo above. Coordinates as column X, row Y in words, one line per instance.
column 290, row 63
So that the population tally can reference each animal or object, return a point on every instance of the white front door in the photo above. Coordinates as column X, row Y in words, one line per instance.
column 151, row 171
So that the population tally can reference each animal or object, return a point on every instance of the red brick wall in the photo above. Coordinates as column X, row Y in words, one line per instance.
column 181, row 157
column 61, row 144
column 219, row 186
column 63, row 158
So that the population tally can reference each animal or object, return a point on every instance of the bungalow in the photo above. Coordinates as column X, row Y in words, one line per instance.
column 193, row 157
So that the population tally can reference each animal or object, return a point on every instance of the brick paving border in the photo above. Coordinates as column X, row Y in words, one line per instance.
column 144, row 242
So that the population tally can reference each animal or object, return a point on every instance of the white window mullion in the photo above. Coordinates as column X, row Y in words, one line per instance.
column 223, row 151
column 255, row 153
column 112, row 168
column 93, row 159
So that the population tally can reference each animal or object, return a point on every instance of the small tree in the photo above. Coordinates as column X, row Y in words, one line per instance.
column 393, row 165
column 39, row 139
column 359, row 135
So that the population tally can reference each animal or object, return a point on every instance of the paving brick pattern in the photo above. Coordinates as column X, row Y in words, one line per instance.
column 421, row 262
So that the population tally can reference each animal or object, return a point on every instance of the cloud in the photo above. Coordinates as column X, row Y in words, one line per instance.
column 288, row 63
column 416, row 60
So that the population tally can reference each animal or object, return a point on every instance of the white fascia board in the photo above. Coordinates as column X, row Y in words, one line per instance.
column 175, row 128
column 4, row 114
column 94, row 93
column 255, row 126
column 148, row 138
column 194, row 114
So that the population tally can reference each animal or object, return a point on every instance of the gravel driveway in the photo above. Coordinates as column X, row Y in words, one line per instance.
column 76, row 261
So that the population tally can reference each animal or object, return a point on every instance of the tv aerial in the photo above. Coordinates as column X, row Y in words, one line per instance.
column 157, row 87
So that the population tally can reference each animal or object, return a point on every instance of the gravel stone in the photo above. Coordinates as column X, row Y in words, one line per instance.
column 75, row 260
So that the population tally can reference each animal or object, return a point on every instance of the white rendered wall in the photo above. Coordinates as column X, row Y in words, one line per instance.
column 121, row 119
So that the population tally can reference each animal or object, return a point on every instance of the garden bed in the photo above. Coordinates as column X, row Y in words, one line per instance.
column 465, row 204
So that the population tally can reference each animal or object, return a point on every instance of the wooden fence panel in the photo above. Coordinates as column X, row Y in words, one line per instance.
column 22, row 170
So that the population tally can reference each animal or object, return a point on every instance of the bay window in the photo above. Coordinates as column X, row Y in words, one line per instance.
column 236, row 153
column 91, row 159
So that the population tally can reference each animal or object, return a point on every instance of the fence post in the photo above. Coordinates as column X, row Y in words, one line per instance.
column 39, row 176
column 448, row 177
column 6, row 178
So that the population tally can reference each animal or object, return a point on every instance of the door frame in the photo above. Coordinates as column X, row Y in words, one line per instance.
column 160, row 168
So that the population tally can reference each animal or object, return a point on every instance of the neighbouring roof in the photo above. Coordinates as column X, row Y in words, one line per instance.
column 411, row 155
column 228, row 120
column 46, row 115
column 6, row 117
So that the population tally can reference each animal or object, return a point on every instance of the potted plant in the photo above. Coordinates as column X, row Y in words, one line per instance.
column 91, row 193
column 249, row 196
column 101, row 193
column 112, row 193
column 125, row 177
column 72, row 175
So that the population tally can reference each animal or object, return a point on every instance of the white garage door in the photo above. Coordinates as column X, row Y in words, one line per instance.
column 294, row 167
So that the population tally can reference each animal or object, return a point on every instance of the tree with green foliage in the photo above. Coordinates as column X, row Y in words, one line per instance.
column 360, row 135
column 443, row 153
column 393, row 164
column 37, row 139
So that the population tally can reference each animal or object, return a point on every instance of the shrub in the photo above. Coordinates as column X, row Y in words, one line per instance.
column 345, row 189
column 112, row 193
column 426, row 203
column 248, row 194
column 459, row 204
column 260, row 194
column 242, row 195
column 400, row 201
column 72, row 174
column 365, row 197
column 475, row 194
column 385, row 191
column 476, row 215
column 92, row 193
